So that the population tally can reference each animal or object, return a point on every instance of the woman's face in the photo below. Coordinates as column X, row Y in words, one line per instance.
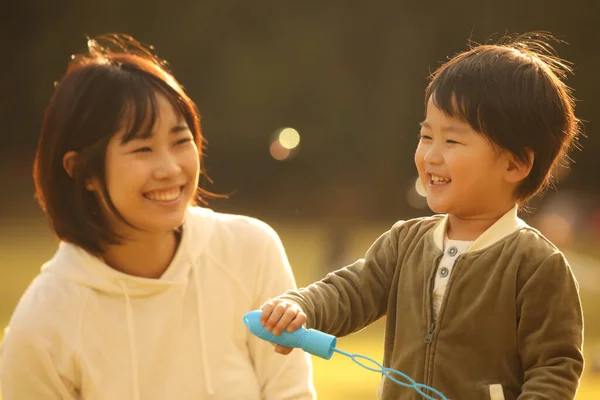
column 151, row 181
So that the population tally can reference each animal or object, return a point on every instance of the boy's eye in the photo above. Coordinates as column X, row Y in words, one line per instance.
column 424, row 137
column 451, row 141
column 142, row 150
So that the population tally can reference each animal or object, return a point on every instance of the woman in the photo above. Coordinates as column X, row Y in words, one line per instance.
column 145, row 295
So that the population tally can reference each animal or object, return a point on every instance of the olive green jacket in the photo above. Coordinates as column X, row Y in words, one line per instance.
column 510, row 325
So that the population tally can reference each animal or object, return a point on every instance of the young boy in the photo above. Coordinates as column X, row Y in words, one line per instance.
column 479, row 305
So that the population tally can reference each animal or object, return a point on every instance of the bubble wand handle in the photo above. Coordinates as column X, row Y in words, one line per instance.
column 310, row 340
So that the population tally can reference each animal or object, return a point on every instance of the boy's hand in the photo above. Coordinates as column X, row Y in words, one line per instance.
column 280, row 315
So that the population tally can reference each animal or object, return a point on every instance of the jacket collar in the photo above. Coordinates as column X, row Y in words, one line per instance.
column 506, row 225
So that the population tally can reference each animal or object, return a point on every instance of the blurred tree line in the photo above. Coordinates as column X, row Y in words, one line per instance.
column 349, row 76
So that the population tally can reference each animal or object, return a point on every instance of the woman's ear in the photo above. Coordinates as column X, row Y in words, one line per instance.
column 69, row 160
column 517, row 169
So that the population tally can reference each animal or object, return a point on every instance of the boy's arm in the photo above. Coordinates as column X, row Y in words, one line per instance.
column 351, row 298
column 550, row 332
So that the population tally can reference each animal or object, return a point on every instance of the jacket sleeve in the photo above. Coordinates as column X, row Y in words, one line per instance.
column 33, row 364
column 352, row 297
column 550, row 332
column 280, row 377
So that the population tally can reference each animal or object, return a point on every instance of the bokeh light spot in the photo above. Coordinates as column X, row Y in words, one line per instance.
column 289, row 138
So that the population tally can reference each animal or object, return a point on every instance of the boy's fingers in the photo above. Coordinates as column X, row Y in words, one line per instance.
column 275, row 316
column 266, row 309
column 283, row 350
column 288, row 316
column 297, row 322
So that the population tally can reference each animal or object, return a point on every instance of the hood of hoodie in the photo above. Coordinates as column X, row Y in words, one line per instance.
column 75, row 264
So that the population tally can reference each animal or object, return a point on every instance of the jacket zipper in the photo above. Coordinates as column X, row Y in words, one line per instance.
column 430, row 332
column 432, row 321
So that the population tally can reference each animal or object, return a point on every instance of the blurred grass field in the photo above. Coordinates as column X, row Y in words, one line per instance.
column 25, row 244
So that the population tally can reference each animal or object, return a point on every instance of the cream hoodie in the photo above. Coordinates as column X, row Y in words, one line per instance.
column 83, row 330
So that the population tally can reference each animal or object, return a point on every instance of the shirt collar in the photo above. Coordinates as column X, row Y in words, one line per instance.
column 506, row 225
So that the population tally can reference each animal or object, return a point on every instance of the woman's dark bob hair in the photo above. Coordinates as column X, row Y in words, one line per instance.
column 112, row 86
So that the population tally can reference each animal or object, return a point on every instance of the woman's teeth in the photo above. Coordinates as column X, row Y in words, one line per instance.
column 164, row 195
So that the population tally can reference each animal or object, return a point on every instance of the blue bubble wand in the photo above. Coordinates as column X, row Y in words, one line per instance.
column 322, row 345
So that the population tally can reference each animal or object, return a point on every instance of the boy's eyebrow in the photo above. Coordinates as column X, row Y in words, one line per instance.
column 445, row 128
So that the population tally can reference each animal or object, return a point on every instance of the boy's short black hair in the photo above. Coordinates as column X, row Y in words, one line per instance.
column 513, row 93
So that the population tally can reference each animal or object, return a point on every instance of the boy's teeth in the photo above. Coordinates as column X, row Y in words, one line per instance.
column 164, row 195
column 439, row 180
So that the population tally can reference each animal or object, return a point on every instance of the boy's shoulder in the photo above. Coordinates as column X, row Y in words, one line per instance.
column 416, row 227
column 534, row 254
column 529, row 240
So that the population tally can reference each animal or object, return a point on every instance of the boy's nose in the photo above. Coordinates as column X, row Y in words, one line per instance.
column 433, row 156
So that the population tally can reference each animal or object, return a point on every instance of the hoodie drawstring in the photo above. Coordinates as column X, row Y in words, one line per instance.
column 132, row 347
column 205, row 367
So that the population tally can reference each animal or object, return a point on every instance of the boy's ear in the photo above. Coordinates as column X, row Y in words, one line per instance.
column 517, row 169
column 69, row 160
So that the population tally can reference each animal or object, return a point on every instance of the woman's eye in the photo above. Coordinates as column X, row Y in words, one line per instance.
column 142, row 150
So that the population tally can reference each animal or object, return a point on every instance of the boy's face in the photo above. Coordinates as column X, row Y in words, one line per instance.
column 461, row 171
column 151, row 181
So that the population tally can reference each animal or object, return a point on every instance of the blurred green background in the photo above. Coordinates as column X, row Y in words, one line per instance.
column 349, row 77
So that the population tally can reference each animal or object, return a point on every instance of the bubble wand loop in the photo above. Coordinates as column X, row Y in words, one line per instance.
column 323, row 345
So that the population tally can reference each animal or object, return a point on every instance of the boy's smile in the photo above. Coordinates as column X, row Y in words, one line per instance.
column 437, row 180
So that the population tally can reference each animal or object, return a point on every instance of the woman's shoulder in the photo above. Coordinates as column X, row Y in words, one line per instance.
column 231, row 226
column 50, row 301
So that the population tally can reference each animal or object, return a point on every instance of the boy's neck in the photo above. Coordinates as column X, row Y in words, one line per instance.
column 147, row 258
column 472, row 226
